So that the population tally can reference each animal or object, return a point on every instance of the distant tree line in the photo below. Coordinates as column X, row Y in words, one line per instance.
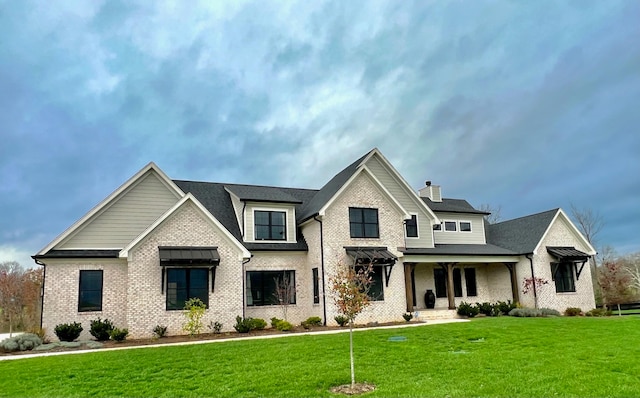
column 20, row 304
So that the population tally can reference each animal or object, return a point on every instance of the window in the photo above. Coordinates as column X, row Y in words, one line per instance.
column 376, row 290
column 440, row 278
column 411, row 227
column 90, row 292
column 186, row 283
column 316, row 286
column 465, row 226
column 270, row 225
column 270, row 287
column 470, row 280
column 450, row 226
column 363, row 223
column 437, row 227
column 563, row 276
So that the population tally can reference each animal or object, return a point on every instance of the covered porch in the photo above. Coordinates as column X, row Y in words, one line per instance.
column 438, row 279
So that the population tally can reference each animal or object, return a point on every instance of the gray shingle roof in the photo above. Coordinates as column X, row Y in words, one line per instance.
column 462, row 250
column 520, row 235
column 80, row 253
column 262, row 194
column 452, row 206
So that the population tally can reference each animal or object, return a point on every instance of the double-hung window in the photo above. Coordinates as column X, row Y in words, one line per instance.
column 411, row 227
column 186, row 283
column 90, row 292
column 363, row 223
column 270, row 225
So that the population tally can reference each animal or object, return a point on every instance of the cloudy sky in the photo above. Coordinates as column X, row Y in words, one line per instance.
column 523, row 105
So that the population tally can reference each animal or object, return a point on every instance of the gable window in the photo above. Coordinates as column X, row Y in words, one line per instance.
column 270, row 287
column 470, row 280
column 450, row 226
column 411, row 227
column 90, row 292
column 363, row 223
column 186, row 283
column 563, row 276
column 465, row 226
column 270, row 225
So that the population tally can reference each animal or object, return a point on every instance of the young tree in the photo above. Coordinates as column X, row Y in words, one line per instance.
column 631, row 263
column 533, row 285
column 615, row 284
column 350, row 293
column 285, row 292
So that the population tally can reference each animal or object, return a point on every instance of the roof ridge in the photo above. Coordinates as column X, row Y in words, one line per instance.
column 526, row 216
column 245, row 185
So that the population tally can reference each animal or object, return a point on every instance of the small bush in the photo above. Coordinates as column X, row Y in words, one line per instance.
column 284, row 326
column 598, row 312
column 485, row 308
column 243, row 325
column 466, row 309
column 258, row 324
column 275, row 321
column 407, row 316
column 68, row 331
column 160, row 331
column 194, row 310
column 314, row 321
column 548, row 312
column 215, row 327
column 117, row 334
column 341, row 320
column 505, row 307
column 573, row 311
column 40, row 332
column 21, row 342
column 101, row 329
column 532, row 312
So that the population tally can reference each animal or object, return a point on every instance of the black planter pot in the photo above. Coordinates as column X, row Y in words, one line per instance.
column 430, row 299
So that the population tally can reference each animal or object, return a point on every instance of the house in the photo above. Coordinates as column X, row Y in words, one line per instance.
column 257, row 251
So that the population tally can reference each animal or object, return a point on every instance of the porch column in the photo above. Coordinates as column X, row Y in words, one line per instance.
column 514, row 282
column 450, row 293
column 408, row 271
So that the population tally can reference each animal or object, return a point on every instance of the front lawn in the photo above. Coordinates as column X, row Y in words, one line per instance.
column 504, row 357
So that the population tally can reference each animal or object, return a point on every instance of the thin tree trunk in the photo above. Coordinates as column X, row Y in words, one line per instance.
column 353, row 371
column 619, row 311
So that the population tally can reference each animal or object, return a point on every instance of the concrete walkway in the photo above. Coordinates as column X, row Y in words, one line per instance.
column 273, row 336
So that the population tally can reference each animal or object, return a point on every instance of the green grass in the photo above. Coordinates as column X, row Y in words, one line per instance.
column 505, row 357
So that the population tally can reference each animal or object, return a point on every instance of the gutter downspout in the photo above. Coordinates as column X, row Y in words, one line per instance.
column 324, row 299
column 533, row 278
column 244, row 291
column 44, row 274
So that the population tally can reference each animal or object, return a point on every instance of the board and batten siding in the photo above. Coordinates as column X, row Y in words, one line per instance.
column 249, row 235
column 399, row 192
column 476, row 236
column 126, row 217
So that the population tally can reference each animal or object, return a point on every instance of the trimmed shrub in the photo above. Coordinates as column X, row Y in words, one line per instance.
column 68, row 331
column 466, row 309
column 573, row 311
column 314, row 321
column 548, row 312
column 215, row 327
column 100, row 329
column 485, row 308
column 194, row 310
column 532, row 312
column 160, row 331
column 284, row 326
column 407, row 316
column 243, row 325
column 341, row 320
column 598, row 312
column 505, row 307
column 21, row 342
column 40, row 332
column 118, row 334
column 275, row 321
column 258, row 324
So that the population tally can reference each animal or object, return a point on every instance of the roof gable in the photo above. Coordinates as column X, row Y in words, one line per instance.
column 114, row 197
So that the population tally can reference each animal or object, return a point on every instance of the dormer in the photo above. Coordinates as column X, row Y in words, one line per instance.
column 265, row 214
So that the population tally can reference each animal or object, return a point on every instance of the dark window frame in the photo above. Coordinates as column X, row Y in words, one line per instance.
column 360, row 225
column 465, row 230
column 275, row 231
column 376, row 289
column 440, row 280
column 173, row 301
column 261, row 286
column 563, row 277
column 411, row 227
column 316, row 285
column 84, row 277
column 455, row 226
column 471, row 282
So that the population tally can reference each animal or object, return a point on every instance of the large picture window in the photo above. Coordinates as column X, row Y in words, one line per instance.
column 411, row 227
column 563, row 276
column 186, row 283
column 270, row 287
column 363, row 223
column 270, row 225
column 90, row 292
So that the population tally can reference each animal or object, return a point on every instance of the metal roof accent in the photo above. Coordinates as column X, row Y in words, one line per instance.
column 184, row 255
column 566, row 253
column 460, row 249
column 371, row 255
